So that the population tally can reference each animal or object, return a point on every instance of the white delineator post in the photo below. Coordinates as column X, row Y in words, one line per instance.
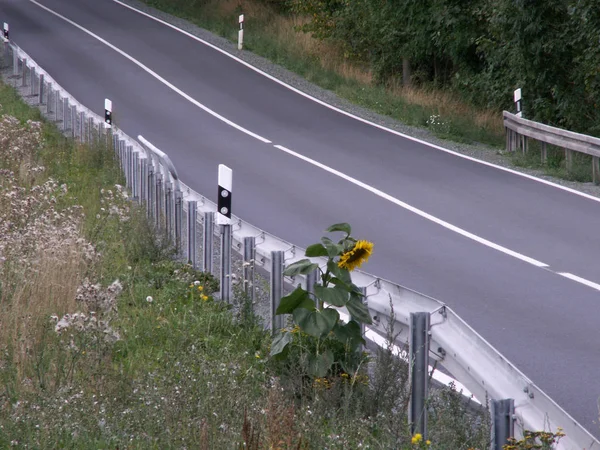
column 5, row 32
column 108, row 113
column 518, row 105
column 241, row 33
column 224, row 219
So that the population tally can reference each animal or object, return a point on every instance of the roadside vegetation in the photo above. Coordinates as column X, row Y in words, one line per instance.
column 448, row 67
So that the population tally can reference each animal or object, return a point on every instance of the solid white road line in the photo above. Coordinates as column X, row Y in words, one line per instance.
column 412, row 209
column 155, row 75
column 588, row 283
column 335, row 172
column 360, row 119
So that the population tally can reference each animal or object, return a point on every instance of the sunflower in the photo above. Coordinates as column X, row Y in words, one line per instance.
column 353, row 259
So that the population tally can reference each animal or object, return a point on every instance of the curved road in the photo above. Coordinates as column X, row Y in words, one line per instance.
column 515, row 257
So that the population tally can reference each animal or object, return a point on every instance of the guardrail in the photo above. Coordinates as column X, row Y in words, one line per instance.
column 519, row 129
column 153, row 181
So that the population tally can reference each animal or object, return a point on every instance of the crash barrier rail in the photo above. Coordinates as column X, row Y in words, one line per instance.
column 518, row 130
column 435, row 332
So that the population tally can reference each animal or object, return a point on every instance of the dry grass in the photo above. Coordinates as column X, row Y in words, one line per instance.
column 331, row 58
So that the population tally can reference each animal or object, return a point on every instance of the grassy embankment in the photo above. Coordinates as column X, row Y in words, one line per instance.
column 107, row 343
column 272, row 35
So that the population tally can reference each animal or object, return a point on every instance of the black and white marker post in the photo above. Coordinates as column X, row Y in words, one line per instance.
column 518, row 106
column 241, row 33
column 224, row 219
column 5, row 32
column 108, row 113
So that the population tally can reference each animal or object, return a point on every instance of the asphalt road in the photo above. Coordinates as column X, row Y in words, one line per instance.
column 542, row 321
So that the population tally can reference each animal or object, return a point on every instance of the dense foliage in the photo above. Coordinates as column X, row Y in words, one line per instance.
column 483, row 49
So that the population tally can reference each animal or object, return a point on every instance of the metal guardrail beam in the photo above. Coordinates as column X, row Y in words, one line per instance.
column 570, row 141
column 463, row 352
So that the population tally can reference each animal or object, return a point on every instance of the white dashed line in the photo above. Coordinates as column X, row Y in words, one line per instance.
column 588, row 283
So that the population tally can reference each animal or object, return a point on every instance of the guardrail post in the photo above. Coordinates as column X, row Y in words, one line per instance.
column 24, row 73
column 144, row 181
column 179, row 222
column 15, row 64
column 503, row 423
column 169, row 210
column 207, row 241
column 41, row 90
column 312, row 278
column 56, row 104
column 32, row 81
column 249, row 260
column 135, row 191
column 73, row 121
column 90, row 131
column 151, row 190
column 192, row 220
column 159, row 200
column 419, row 376
column 226, row 237
column 81, row 126
column 568, row 159
column 595, row 174
column 363, row 329
column 65, row 115
column 277, row 261
column 129, row 159
column 544, row 153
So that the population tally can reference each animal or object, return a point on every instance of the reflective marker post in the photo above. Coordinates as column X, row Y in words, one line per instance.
column 224, row 219
column 241, row 33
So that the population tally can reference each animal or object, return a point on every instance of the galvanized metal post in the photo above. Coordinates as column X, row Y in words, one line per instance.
column 419, row 376
column 159, row 200
column 169, row 210
column 312, row 278
column 57, row 104
column 249, row 260
column 73, row 120
column 363, row 292
column 135, row 192
column 65, row 114
column 24, row 73
column 128, row 164
column 192, row 220
column 207, row 241
column 151, row 191
column 91, row 130
column 226, row 238
column 49, row 100
column 277, row 260
column 81, row 126
column 144, row 181
column 41, row 90
column 503, row 426
column 179, row 222
column 15, row 64
column 32, row 81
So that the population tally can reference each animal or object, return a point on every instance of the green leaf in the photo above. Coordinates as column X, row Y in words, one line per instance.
column 338, row 272
column 297, row 299
column 280, row 342
column 350, row 334
column 316, row 250
column 344, row 227
column 335, row 296
column 319, row 365
column 316, row 323
column 302, row 267
column 333, row 249
column 357, row 309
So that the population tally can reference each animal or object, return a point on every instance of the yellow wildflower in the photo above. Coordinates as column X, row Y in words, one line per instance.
column 355, row 257
column 428, row 442
column 200, row 288
column 416, row 438
column 205, row 297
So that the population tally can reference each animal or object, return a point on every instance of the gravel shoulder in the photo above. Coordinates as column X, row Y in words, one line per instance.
column 478, row 151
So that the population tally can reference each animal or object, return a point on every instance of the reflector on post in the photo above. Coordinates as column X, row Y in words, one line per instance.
column 5, row 32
